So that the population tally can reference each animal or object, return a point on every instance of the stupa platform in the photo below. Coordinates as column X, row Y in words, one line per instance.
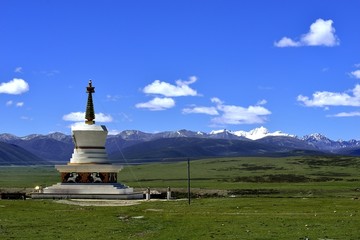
column 88, row 191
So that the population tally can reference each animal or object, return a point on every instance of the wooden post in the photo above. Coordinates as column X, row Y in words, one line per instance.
column 188, row 170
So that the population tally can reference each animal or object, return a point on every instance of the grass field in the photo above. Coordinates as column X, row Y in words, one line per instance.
column 267, row 198
column 317, row 176
column 210, row 218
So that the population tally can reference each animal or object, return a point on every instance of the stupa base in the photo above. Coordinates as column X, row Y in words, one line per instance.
column 87, row 191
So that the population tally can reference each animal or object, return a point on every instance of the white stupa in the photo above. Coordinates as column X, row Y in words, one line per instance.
column 89, row 174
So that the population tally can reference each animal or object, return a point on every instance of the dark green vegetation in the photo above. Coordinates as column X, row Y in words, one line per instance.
column 313, row 197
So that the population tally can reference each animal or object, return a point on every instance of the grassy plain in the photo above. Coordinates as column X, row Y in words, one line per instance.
column 210, row 218
column 268, row 198
column 28, row 177
column 306, row 176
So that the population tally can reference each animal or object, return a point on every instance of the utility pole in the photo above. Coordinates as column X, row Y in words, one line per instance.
column 188, row 173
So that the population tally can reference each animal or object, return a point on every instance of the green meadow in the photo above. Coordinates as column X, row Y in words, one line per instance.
column 307, row 197
column 207, row 218
column 305, row 176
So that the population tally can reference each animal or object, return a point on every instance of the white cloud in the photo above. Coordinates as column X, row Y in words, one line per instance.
column 346, row 114
column 356, row 74
column 74, row 117
column 261, row 102
column 76, row 124
column 168, row 90
column 321, row 33
column 324, row 98
column 231, row 114
column 192, row 79
column 20, row 104
column 239, row 115
column 18, row 70
column 15, row 86
column 11, row 102
column 157, row 104
column 204, row 110
column 101, row 117
column 287, row 42
column 216, row 100
column 80, row 116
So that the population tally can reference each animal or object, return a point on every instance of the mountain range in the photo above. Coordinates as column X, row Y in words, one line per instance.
column 134, row 145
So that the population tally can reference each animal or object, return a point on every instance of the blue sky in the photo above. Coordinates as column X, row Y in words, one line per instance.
column 203, row 65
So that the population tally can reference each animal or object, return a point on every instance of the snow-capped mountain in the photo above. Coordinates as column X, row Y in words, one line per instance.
column 6, row 137
column 253, row 134
column 315, row 141
column 31, row 136
column 179, row 133
column 139, row 135
column 133, row 135
column 59, row 136
column 224, row 134
column 316, row 137
column 322, row 142
column 260, row 132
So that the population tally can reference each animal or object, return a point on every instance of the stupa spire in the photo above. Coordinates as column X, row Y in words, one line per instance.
column 90, row 113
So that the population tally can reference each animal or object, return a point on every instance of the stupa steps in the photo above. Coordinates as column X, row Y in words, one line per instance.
column 86, row 188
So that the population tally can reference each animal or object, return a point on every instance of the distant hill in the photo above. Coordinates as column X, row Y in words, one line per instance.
column 287, row 143
column 133, row 144
column 54, row 147
column 14, row 155
column 351, row 151
column 172, row 148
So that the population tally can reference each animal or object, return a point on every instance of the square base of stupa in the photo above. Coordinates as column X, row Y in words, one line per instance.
column 88, row 191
